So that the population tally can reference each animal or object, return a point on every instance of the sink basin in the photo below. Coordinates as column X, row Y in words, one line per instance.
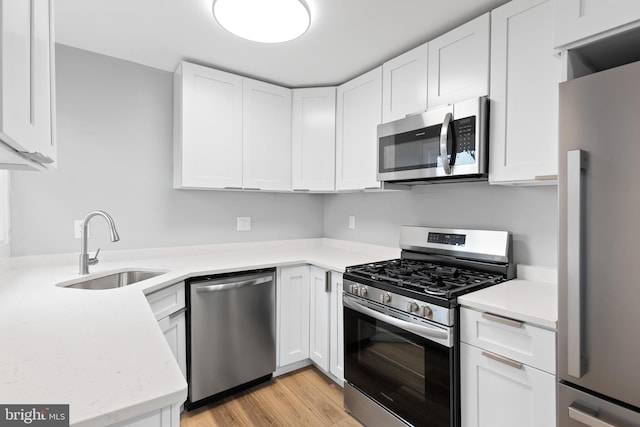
column 113, row 280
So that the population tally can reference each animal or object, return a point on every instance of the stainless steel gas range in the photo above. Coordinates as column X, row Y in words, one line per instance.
column 401, row 316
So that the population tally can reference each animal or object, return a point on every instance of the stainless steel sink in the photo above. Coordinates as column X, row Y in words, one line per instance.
column 114, row 280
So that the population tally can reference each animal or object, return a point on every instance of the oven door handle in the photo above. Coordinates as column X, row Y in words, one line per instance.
column 434, row 333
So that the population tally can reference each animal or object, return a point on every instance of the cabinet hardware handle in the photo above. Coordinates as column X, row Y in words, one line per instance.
column 177, row 313
column 372, row 188
column 37, row 156
column 301, row 189
column 502, row 359
column 545, row 177
column 252, row 188
column 233, row 188
column 587, row 416
column 327, row 281
column 503, row 320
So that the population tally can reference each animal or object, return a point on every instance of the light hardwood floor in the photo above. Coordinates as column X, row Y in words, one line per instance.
column 301, row 398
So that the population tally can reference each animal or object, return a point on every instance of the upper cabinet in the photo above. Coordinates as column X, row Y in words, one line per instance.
column 207, row 128
column 524, row 94
column 230, row 132
column 27, row 114
column 266, row 130
column 404, row 84
column 579, row 22
column 359, row 112
column 459, row 63
column 314, row 139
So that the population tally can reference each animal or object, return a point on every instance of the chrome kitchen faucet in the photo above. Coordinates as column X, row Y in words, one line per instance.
column 85, row 260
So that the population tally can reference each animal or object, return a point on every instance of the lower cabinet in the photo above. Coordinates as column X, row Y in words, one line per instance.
column 336, row 359
column 309, row 311
column 168, row 416
column 168, row 305
column 506, row 377
column 292, row 308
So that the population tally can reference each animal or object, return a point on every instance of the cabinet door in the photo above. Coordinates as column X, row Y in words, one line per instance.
column 314, row 139
column 293, row 314
column 524, row 94
column 359, row 112
column 459, row 63
column 319, row 327
column 496, row 394
column 337, row 332
column 266, row 136
column 174, row 329
column 404, row 84
column 207, row 128
column 579, row 22
column 26, row 89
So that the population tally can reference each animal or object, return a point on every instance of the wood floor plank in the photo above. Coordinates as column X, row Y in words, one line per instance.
column 302, row 398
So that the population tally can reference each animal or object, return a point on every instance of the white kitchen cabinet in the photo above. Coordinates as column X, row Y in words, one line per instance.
column 507, row 372
column 314, row 139
column 358, row 113
column 266, row 129
column 4, row 214
column 207, row 128
column 293, row 314
column 337, row 331
column 579, row 22
column 169, row 307
column 168, row 416
column 27, row 84
column 319, row 324
column 404, row 84
column 459, row 63
column 524, row 94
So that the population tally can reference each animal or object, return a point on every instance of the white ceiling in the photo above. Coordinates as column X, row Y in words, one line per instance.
column 345, row 39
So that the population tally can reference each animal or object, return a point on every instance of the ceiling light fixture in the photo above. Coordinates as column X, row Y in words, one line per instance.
column 266, row 21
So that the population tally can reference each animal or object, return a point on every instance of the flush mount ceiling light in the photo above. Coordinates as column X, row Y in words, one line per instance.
column 266, row 21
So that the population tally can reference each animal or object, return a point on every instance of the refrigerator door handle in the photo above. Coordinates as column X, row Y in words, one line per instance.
column 583, row 416
column 576, row 165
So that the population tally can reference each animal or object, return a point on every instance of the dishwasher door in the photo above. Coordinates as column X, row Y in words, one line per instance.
column 231, row 332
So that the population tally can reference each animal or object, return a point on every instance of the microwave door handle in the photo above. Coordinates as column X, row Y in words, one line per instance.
column 444, row 136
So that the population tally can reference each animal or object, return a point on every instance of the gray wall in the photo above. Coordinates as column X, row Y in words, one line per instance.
column 528, row 212
column 115, row 150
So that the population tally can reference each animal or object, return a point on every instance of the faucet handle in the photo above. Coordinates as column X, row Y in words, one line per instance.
column 94, row 260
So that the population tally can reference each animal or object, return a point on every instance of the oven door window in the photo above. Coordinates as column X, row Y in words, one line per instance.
column 409, row 375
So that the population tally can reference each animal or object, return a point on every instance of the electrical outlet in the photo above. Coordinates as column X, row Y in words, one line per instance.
column 243, row 223
column 352, row 222
column 77, row 224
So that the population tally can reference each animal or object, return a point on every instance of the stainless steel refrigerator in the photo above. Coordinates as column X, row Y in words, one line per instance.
column 599, row 250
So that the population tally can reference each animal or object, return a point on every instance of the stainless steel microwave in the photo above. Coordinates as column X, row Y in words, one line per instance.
column 447, row 143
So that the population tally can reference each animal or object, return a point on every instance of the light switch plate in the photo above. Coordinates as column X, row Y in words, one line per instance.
column 243, row 223
column 352, row 222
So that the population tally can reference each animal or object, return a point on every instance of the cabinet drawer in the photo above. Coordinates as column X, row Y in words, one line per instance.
column 167, row 300
column 531, row 345
column 499, row 394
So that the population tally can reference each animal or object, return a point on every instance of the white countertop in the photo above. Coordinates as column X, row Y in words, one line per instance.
column 102, row 352
column 532, row 301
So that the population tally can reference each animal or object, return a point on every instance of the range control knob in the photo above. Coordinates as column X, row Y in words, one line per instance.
column 385, row 298
column 425, row 311
column 412, row 307
column 363, row 291
column 354, row 289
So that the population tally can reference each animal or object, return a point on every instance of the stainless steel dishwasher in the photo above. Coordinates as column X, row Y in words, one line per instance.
column 231, row 333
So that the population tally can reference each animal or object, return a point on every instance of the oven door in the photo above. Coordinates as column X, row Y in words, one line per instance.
column 406, row 367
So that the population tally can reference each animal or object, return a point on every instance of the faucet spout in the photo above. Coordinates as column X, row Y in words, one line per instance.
column 85, row 261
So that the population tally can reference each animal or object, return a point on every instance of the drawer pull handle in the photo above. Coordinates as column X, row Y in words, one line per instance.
column 503, row 320
column 587, row 416
column 502, row 359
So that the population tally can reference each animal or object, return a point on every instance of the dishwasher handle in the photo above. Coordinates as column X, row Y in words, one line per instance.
column 234, row 285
